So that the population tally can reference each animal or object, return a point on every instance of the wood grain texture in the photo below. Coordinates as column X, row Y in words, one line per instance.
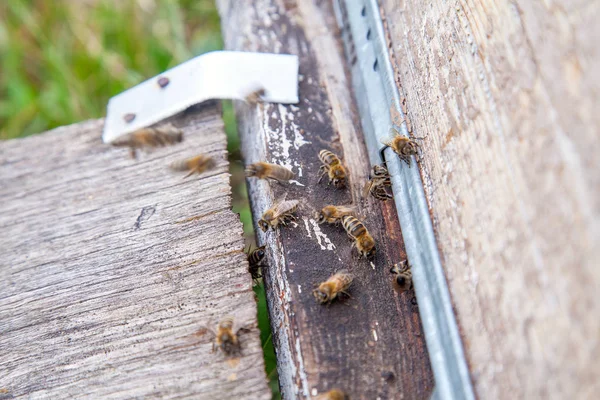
column 371, row 345
column 507, row 95
column 112, row 266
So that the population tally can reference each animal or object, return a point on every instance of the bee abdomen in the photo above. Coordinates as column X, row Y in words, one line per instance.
column 328, row 158
column 353, row 226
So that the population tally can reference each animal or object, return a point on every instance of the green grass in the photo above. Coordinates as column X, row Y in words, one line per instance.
column 61, row 60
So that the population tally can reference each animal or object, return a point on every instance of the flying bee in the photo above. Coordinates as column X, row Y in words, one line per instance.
column 332, row 166
column 198, row 164
column 333, row 214
column 150, row 137
column 255, row 258
column 337, row 284
column 403, row 276
column 333, row 394
column 379, row 179
column 265, row 170
column 363, row 241
column 403, row 146
column 255, row 96
column 281, row 212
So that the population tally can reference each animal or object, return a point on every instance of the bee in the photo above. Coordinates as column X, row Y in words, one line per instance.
column 150, row 137
column 255, row 96
column 403, row 146
column 379, row 179
column 255, row 258
column 226, row 339
column 363, row 241
column 333, row 394
column 198, row 164
column 338, row 283
column 332, row 166
column 333, row 214
column 403, row 276
column 281, row 212
column 265, row 170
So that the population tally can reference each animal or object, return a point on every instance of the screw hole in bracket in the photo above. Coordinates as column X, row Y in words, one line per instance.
column 375, row 65
column 369, row 34
column 363, row 12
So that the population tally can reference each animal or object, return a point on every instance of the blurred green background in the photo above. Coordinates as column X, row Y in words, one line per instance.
column 61, row 60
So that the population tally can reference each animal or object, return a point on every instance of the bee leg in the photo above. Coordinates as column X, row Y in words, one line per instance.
column 405, row 158
column 190, row 173
column 133, row 153
column 322, row 174
column 276, row 181
column 346, row 294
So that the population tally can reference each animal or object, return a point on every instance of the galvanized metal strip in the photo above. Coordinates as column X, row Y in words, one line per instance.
column 215, row 75
column 373, row 78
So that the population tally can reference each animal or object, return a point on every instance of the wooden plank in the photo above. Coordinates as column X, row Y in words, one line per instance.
column 371, row 346
column 111, row 267
column 504, row 93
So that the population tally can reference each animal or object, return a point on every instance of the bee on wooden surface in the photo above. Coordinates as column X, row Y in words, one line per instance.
column 363, row 241
column 255, row 96
column 281, row 212
column 255, row 258
column 337, row 284
column 150, row 137
column 333, row 214
column 332, row 166
column 195, row 165
column 333, row 394
column 226, row 339
column 403, row 146
column 379, row 179
column 265, row 170
column 403, row 276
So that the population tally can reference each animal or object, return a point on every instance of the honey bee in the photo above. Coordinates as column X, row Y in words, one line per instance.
column 403, row 146
column 265, row 170
column 198, row 164
column 255, row 258
column 332, row 166
column 337, row 284
column 363, row 241
column 379, row 179
column 403, row 276
column 255, row 96
column 333, row 394
column 226, row 339
column 150, row 137
column 281, row 212
column 333, row 214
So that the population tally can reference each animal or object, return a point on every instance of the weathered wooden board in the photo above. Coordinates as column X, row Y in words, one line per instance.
column 111, row 267
column 507, row 95
column 371, row 345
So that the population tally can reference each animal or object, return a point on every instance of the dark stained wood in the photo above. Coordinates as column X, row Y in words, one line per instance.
column 370, row 345
column 111, row 266
column 507, row 95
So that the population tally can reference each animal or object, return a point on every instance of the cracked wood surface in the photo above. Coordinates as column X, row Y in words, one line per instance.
column 507, row 95
column 111, row 267
column 370, row 345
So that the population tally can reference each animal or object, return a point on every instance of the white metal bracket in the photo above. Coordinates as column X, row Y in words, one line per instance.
column 215, row 75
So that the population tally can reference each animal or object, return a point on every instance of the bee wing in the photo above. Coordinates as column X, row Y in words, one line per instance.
column 367, row 189
column 395, row 116
column 284, row 207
